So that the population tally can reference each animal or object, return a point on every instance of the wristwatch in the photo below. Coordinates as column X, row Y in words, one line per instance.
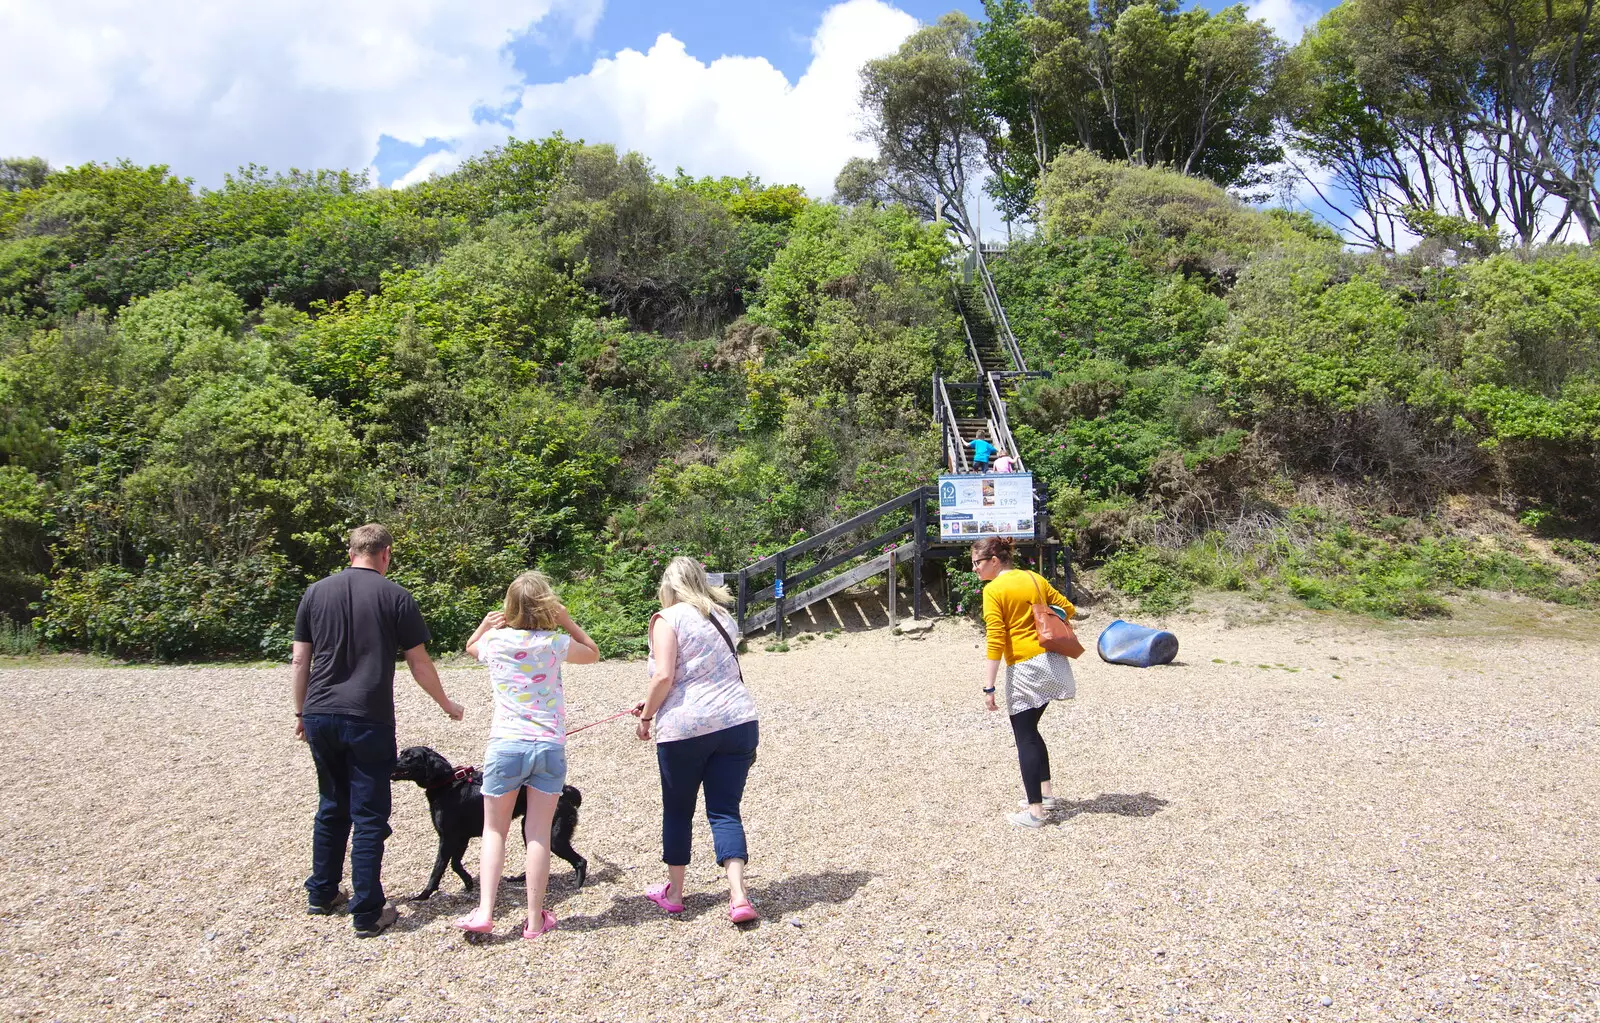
column 989, row 690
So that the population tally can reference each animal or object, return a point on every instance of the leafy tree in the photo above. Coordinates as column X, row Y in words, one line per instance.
column 244, row 462
column 925, row 115
column 517, row 178
column 1141, row 82
column 24, row 522
column 665, row 258
column 21, row 172
column 1482, row 111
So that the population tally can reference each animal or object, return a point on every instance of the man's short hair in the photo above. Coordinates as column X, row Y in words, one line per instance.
column 370, row 540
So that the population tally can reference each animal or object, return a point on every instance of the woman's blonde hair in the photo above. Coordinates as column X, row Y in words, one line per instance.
column 685, row 582
column 531, row 602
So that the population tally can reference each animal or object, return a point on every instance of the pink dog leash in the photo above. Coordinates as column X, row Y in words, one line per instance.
column 619, row 714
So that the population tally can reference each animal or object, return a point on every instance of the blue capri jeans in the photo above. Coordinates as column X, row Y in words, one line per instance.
column 719, row 761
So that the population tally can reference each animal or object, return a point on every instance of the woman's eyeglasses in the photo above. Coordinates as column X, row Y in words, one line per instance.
column 978, row 561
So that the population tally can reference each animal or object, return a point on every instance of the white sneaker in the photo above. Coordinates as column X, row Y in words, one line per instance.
column 1026, row 820
column 1049, row 803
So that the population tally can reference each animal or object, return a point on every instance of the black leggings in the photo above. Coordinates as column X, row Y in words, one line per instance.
column 1031, row 752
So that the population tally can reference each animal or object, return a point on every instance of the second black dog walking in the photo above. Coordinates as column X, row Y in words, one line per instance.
column 455, row 802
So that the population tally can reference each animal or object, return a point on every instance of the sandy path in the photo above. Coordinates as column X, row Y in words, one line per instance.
column 1412, row 839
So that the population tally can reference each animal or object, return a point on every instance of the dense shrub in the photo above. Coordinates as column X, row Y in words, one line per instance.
column 1168, row 220
column 555, row 357
column 175, row 609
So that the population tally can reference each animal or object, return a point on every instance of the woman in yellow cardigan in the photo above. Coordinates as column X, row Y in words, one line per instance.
column 1034, row 676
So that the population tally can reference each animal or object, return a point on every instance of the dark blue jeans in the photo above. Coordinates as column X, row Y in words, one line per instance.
column 354, row 759
column 720, row 762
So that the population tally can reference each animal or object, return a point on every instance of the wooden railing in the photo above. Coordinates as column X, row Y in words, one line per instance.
column 955, row 452
column 997, row 313
column 999, row 425
column 904, row 542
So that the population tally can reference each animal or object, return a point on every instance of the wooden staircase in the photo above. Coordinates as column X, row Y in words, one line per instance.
column 843, row 555
column 970, row 410
column 983, row 341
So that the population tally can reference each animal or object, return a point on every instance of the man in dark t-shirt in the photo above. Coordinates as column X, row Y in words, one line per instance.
column 346, row 634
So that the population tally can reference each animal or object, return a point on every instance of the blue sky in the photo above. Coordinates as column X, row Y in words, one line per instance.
column 780, row 32
column 405, row 90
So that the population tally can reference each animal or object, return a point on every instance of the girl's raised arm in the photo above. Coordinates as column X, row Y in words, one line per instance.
column 491, row 621
column 583, row 650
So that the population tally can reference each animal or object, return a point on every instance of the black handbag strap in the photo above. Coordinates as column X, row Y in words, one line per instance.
column 729, row 640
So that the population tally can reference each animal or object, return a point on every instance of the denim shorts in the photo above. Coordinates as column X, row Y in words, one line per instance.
column 509, row 764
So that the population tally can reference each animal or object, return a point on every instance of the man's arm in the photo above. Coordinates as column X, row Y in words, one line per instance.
column 299, row 679
column 427, row 677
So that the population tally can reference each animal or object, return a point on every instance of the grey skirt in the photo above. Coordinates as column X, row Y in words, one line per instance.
column 1037, row 681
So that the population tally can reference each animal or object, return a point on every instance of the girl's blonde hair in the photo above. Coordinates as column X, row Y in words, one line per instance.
column 685, row 582
column 531, row 602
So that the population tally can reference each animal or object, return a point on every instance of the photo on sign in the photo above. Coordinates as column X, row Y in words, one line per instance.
column 969, row 527
column 988, row 493
column 1024, row 525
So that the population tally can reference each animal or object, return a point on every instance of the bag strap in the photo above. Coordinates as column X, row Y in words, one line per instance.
column 1039, row 595
column 729, row 640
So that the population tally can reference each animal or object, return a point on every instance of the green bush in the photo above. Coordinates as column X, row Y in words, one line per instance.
column 17, row 639
column 1168, row 220
column 1375, row 575
column 1074, row 299
column 175, row 610
column 1151, row 575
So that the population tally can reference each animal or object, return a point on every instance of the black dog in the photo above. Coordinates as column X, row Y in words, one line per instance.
column 455, row 802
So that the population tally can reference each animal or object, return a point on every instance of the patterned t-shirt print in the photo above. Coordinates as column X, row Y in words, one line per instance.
column 525, row 675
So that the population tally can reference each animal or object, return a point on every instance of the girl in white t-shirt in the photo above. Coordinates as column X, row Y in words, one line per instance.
column 524, row 647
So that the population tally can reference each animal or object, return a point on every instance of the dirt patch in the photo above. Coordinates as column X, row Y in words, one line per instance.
column 1310, row 817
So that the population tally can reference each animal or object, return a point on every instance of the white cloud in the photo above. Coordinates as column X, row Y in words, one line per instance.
column 1288, row 18
column 735, row 115
column 209, row 86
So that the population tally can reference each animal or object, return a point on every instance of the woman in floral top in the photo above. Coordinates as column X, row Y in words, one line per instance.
column 704, row 723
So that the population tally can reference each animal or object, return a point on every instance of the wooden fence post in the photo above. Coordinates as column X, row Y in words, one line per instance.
column 919, row 535
column 891, row 576
column 783, row 564
column 744, row 596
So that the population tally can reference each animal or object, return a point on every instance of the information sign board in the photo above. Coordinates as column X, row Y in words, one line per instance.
column 972, row 506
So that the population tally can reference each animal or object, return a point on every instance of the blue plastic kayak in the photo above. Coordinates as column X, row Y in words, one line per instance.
column 1126, row 643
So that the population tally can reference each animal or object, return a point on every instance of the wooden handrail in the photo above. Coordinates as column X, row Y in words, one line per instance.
column 820, row 567
column 788, row 601
column 769, row 562
column 997, row 312
column 997, row 407
column 955, row 453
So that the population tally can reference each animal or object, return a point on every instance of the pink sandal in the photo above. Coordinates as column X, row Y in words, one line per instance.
column 547, row 923
column 465, row 924
column 742, row 912
column 657, row 893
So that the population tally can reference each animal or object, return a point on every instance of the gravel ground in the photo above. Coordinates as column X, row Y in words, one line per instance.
column 1310, row 817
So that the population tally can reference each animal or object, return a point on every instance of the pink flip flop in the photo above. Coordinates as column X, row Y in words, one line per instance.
column 657, row 893
column 547, row 922
column 465, row 924
column 742, row 913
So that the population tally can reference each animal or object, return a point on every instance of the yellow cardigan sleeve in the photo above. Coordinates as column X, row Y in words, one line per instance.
column 994, row 625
